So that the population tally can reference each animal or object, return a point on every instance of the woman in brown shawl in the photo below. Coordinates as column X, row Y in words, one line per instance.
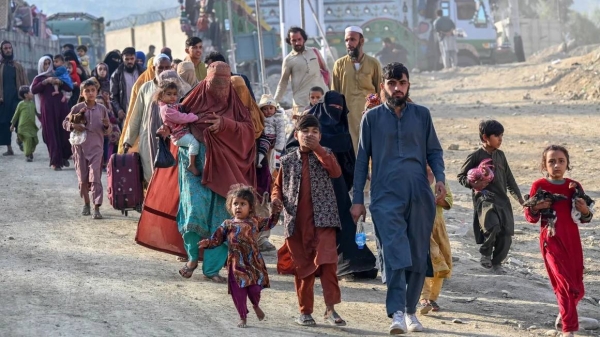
column 226, row 133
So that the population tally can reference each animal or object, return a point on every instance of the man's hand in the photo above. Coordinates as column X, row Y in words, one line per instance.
column 106, row 122
column 276, row 206
column 357, row 211
column 440, row 191
column 121, row 114
column 163, row 131
column 479, row 185
column 78, row 127
column 12, row 128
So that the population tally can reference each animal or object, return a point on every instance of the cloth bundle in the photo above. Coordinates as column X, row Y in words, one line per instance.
column 483, row 172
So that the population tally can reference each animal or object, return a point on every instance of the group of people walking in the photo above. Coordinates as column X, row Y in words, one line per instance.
column 232, row 156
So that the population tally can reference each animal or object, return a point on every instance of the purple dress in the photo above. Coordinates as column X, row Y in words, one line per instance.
column 53, row 112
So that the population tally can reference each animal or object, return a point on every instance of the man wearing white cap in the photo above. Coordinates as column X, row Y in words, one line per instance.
column 356, row 75
column 304, row 66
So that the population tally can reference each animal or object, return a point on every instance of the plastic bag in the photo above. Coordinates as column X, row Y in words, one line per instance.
column 164, row 158
column 77, row 137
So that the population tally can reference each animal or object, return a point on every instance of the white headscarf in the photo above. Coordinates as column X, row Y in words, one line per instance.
column 41, row 72
column 171, row 75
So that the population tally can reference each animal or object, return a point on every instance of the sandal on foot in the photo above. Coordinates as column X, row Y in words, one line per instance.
column 97, row 215
column 305, row 320
column 87, row 210
column 215, row 278
column 8, row 153
column 424, row 307
column 182, row 259
column 486, row 261
column 499, row 270
column 187, row 272
column 334, row 319
column 66, row 163
column 266, row 247
column 434, row 305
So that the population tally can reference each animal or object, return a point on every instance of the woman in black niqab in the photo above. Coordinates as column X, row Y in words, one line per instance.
column 332, row 113
column 113, row 60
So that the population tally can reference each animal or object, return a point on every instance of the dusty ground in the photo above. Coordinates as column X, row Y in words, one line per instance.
column 64, row 275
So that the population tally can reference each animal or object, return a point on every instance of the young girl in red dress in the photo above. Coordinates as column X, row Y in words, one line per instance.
column 562, row 251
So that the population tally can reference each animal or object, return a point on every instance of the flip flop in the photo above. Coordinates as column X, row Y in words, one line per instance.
column 97, row 215
column 187, row 272
column 305, row 320
column 334, row 319
column 87, row 210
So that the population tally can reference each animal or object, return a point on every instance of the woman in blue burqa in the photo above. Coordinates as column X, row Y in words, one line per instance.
column 332, row 112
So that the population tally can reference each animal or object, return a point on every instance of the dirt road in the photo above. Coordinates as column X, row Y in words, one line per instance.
column 66, row 275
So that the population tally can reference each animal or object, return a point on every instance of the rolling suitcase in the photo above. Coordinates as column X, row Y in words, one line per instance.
column 124, row 175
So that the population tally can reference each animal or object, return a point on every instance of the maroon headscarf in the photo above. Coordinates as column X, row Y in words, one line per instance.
column 230, row 151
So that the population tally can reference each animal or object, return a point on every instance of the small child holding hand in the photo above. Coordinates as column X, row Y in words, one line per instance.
column 247, row 271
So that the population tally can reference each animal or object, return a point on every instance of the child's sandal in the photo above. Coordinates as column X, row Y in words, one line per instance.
column 97, row 215
column 87, row 210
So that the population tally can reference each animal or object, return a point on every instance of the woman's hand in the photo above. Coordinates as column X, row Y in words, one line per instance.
column 203, row 244
column 163, row 131
column 582, row 207
column 276, row 206
column 215, row 121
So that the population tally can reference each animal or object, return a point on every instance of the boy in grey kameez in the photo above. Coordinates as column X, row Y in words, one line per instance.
column 399, row 139
column 493, row 222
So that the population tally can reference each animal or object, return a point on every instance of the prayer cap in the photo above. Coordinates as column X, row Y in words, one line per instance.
column 355, row 29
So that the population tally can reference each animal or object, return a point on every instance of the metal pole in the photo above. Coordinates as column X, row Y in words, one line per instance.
column 303, row 26
column 231, row 40
column 325, row 43
column 282, row 30
column 261, row 53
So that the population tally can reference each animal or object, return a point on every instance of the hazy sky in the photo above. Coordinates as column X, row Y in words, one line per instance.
column 116, row 9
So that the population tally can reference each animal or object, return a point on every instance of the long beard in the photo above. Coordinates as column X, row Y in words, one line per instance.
column 396, row 101
column 129, row 69
column 354, row 53
column 7, row 57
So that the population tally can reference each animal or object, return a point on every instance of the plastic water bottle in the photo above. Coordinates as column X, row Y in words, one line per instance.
column 360, row 237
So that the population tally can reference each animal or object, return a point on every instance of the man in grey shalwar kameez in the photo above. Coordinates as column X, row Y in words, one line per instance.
column 399, row 139
column 444, row 26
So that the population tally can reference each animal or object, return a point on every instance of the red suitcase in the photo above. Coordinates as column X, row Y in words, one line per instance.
column 124, row 175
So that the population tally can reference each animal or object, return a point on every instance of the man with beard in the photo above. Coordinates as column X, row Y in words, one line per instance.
column 356, row 75
column 400, row 140
column 193, row 49
column 12, row 77
column 303, row 65
column 145, row 118
column 122, row 81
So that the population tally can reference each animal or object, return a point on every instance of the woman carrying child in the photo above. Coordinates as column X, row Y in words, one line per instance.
column 247, row 270
column 88, row 155
column 562, row 251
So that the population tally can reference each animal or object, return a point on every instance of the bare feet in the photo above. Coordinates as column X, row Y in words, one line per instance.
column 259, row 313
column 216, row 278
column 194, row 170
column 242, row 323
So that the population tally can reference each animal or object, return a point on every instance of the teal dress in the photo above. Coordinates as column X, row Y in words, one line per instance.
column 201, row 211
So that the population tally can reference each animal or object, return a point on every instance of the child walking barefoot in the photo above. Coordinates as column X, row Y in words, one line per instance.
column 24, row 121
column 167, row 95
column 562, row 252
column 247, row 270
column 88, row 155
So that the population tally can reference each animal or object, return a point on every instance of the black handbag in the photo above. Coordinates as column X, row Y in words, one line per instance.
column 164, row 158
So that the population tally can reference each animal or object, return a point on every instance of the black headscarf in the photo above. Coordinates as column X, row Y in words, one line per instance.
column 333, row 116
column 7, row 58
column 110, row 61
